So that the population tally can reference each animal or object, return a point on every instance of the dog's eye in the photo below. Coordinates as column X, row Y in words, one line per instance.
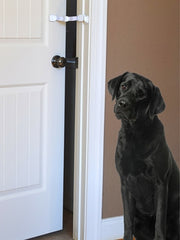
column 124, row 87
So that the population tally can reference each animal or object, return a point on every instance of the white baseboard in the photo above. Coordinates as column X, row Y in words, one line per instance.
column 112, row 228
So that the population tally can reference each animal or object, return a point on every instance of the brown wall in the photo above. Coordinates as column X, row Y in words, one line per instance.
column 143, row 37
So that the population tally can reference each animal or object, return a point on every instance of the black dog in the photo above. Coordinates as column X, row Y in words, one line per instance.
column 148, row 172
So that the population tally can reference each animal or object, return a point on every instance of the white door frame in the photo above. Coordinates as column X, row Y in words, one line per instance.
column 89, row 120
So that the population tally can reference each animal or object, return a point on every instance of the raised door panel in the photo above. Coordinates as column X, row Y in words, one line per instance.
column 21, row 19
column 22, row 119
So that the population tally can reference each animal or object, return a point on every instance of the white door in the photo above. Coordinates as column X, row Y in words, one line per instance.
column 31, row 118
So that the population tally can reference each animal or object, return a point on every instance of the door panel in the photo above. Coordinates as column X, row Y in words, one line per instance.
column 31, row 118
column 21, row 118
column 21, row 19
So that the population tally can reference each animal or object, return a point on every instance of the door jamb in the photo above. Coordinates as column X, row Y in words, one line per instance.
column 89, row 120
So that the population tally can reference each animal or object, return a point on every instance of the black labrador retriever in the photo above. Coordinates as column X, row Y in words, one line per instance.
column 148, row 172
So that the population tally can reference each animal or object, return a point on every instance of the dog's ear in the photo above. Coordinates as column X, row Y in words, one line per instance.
column 113, row 85
column 157, row 104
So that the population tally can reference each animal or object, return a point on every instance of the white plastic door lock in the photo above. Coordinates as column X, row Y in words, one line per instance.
column 79, row 18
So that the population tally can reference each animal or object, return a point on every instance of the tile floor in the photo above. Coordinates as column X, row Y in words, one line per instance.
column 65, row 234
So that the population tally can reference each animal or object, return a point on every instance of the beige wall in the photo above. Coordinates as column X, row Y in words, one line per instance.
column 143, row 38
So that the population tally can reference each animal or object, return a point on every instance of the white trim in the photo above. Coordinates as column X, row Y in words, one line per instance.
column 80, row 126
column 112, row 228
column 89, row 126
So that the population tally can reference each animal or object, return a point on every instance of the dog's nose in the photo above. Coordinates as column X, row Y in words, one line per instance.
column 122, row 103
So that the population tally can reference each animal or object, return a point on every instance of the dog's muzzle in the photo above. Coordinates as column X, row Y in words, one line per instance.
column 121, row 107
column 125, row 109
column 122, row 103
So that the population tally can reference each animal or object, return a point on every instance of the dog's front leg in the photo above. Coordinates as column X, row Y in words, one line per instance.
column 161, row 212
column 128, row 204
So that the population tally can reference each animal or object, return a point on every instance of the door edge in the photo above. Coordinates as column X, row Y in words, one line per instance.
column 89, row 120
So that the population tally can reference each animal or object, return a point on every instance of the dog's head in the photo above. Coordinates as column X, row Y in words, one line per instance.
column 136, row 97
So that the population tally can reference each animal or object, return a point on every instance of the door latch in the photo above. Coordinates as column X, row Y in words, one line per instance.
column 79, row 18
column 60, row 62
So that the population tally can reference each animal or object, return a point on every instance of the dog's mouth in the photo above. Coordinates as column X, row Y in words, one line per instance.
column 121, row 114
column 126, row 113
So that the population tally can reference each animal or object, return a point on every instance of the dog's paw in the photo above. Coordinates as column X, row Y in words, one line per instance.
column 159, row 236
column 128, row 237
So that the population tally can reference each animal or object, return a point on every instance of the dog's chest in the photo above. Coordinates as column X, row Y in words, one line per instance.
column 137, row 171
column 134, row 156
column 129, row 163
